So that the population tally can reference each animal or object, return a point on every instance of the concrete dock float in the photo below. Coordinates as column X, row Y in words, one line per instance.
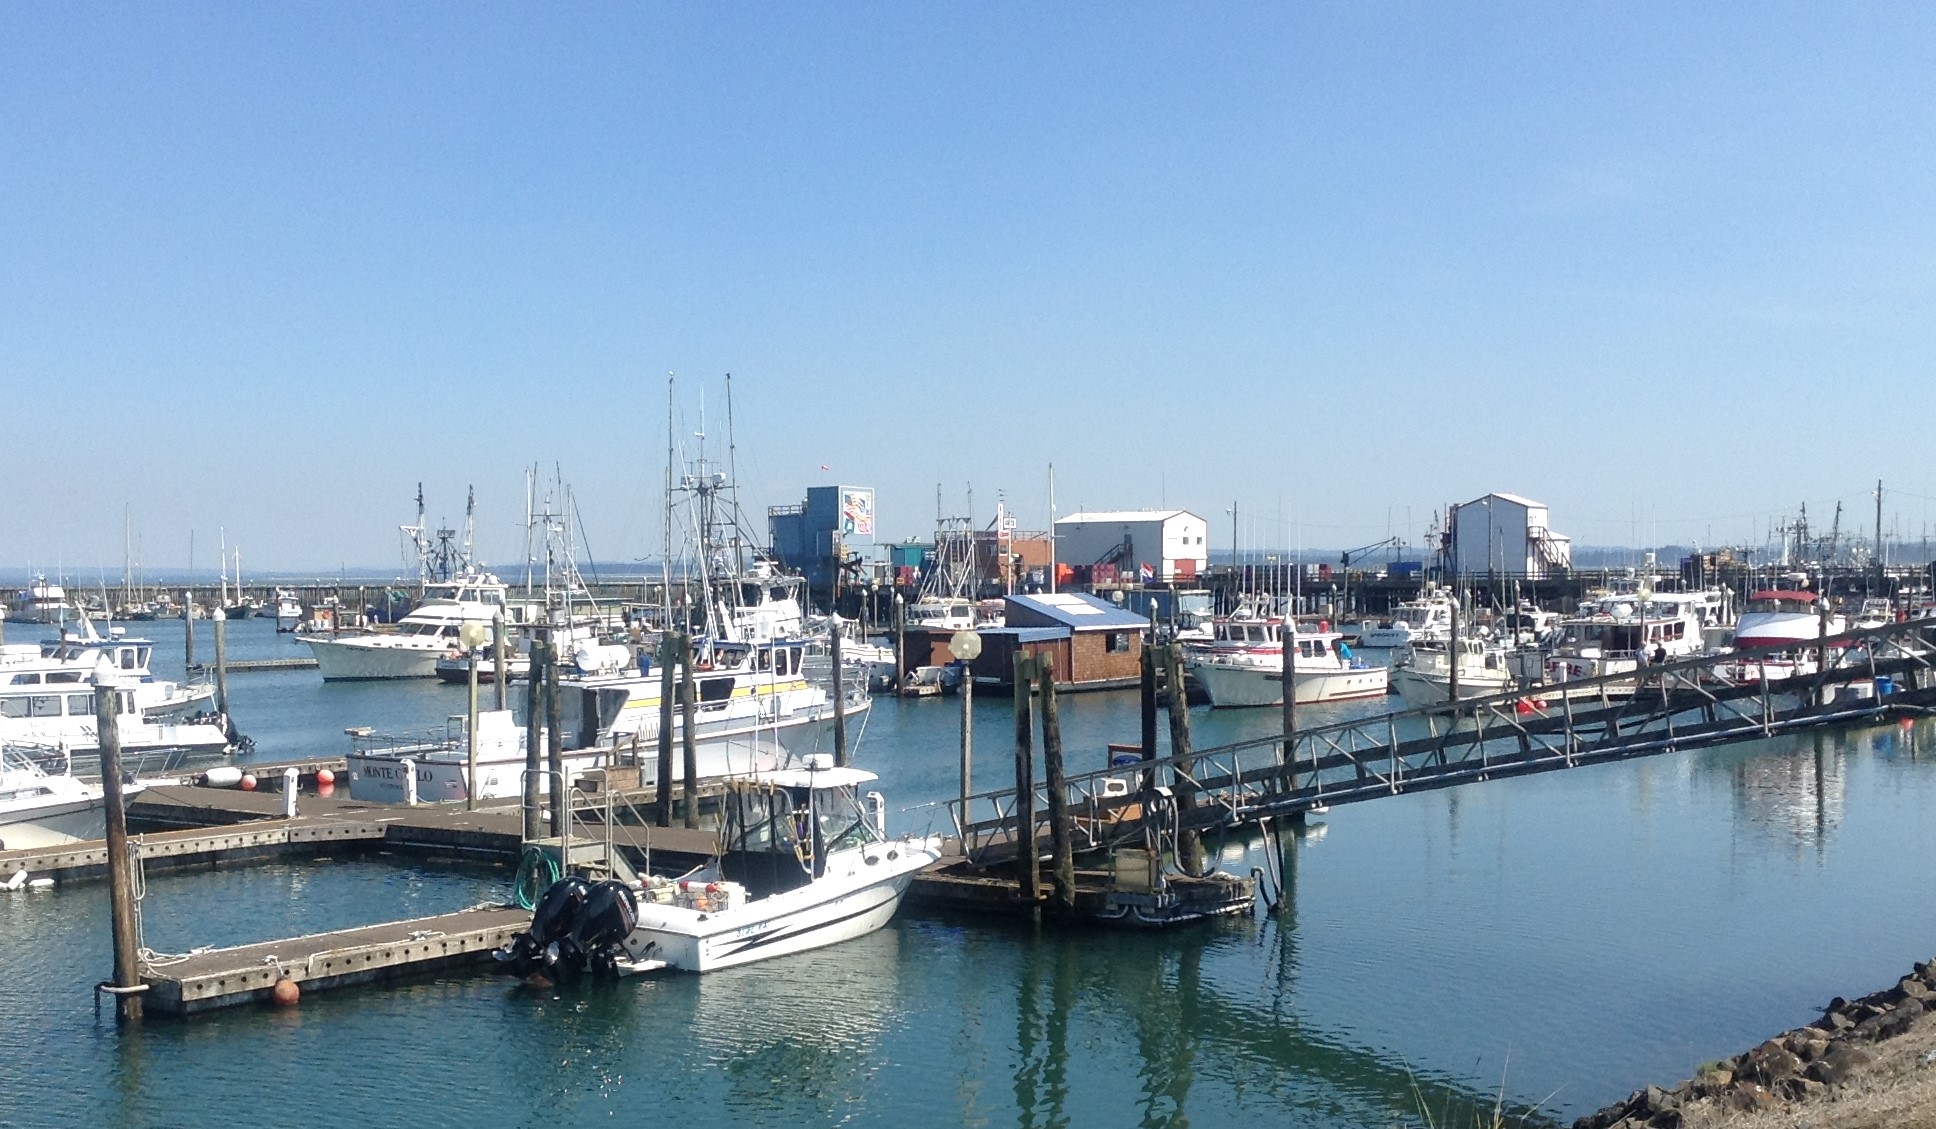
column 317, row 962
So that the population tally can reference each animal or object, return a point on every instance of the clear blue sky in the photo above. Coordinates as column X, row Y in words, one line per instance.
column 1668, row 268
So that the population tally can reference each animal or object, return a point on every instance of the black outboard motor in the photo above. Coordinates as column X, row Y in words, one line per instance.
column 609, row 914
column 543, row 946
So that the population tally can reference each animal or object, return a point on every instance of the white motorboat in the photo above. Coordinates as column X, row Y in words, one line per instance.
column 39, row 808
column 55, row 723
column 942, row 613
column 43, row 602
column 286, row 609
column 1427, row 619
column 76, row 656
column 1244, row 666
column 420, row 638
column 804, row 865
column 1424, row 678
column 801, row 865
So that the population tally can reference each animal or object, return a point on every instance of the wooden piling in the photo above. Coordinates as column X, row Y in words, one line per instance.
column 1063, row 874
column 1287, row 634
column 668, row 664
column 900, row 644
column 221, row 663
column 555, row 744
column 127, row 961
column 1452, row 659
column 689, row 734
column 1189, row 846
column 533, row 734
column 470, row 729
column 1028, row 872
column 840, row 696
column 500, row 674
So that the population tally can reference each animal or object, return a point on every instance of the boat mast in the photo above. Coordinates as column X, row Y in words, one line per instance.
column 732, row 477
column 665, row 556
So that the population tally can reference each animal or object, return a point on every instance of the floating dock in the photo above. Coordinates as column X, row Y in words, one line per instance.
column 248, row 974
column 169, row 850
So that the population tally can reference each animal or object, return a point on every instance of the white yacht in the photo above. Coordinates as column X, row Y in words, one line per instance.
column 39, row 808
column 802, row 864
column 286, row 609
column 420, row 638
column 1427, row 619
column 1244, row 666
column 75, row 657
column 43, row 602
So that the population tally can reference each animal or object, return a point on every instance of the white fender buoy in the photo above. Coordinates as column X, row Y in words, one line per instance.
column 16, row 880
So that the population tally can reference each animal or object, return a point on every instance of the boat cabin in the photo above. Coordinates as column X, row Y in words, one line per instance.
column 1784, row 600
column 781, row 826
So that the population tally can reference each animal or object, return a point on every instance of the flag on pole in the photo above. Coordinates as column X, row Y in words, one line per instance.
column 1148, row 574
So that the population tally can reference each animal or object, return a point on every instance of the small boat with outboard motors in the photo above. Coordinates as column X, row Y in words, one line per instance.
column 802, row 863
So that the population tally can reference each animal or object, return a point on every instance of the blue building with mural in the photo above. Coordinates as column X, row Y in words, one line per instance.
column 834, row 524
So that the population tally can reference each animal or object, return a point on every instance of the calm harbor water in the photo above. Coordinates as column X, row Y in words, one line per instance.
column 1568, row 937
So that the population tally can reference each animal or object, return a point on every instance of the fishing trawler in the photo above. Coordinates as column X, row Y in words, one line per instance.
column 1244, row 665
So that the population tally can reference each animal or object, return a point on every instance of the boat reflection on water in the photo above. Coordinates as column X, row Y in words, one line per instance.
column 1799, row 798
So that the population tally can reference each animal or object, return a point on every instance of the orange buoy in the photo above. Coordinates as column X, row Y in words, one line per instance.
column 286, row 992
column 248, row 782
column 1524, row 706
column 325, row 777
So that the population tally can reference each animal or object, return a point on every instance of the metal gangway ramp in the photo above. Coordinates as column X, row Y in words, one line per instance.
column 1871, row 675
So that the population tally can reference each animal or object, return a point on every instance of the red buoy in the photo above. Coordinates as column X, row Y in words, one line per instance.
column 248, row 782
column 325, row 777
column 286, row 992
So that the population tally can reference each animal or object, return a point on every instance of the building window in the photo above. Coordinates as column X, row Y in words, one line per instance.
column 1118, row 642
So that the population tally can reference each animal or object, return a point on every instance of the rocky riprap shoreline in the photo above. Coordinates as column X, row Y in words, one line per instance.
column 1799, row 1065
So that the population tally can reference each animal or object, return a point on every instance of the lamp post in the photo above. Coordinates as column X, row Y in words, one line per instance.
column 966, row 646
column 471, row 635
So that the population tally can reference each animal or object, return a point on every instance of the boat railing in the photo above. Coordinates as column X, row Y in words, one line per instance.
column 365, row 741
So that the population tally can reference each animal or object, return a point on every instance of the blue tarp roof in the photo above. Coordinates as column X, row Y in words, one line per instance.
column 1080, row 612
column 1026, row 634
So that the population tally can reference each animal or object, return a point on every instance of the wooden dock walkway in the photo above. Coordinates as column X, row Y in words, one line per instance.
column 247, row 974
column 168, row 850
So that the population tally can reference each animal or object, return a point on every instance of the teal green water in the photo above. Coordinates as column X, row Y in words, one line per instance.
column 1567, row 937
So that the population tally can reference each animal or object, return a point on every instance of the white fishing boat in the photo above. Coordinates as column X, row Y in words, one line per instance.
column 1244, row 666
column 1617, row 634
column 1778, row 617
column 75, row 657
column 1427, row 619
column 1424, row 678
column 54, row 723
column 41, row 808
column 435, row 768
